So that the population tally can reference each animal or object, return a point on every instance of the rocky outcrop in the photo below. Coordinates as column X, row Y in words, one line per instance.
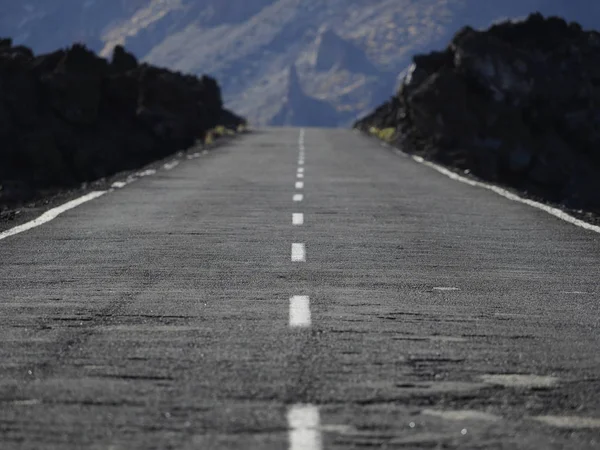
column 246, row 44
column 69, row 117
column 300, row 109
column 333, row 52
column 518, row 104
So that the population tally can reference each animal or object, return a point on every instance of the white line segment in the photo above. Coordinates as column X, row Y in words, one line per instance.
column 301, row 170
column 298, row 253
column 304, row 428
column 299, row 184
column 51, row 214
column 298, row 197
column 300, row 175
column 146, row 173
column 171, row 165
column 298, row 219
column 300, row 311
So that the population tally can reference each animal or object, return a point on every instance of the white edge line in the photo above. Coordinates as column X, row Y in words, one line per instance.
column 54, row 212
column 171, row 165
column 51, row 214
column 509, row 195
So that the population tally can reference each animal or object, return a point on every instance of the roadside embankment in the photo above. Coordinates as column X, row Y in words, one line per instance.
column 517, row 104
column 71, row 117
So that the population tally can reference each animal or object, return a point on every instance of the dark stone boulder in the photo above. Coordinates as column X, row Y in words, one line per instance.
column 123, row 61
column 70, row 117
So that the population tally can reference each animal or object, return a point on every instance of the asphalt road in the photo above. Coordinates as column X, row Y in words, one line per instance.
column 415, row 311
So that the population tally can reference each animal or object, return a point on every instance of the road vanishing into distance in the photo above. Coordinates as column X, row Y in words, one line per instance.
column 300, row 289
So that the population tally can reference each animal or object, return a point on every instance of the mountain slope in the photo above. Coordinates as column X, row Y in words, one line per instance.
column 250, row 46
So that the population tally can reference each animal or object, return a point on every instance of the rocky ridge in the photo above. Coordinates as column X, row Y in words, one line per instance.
column 70, row 117
column 249, row 46
column 517, row 104
column 301, row 109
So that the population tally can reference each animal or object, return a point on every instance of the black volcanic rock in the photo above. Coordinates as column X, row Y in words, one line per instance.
column 518, row 104
column 69, row 117
column 300, row 109
column 122, row 61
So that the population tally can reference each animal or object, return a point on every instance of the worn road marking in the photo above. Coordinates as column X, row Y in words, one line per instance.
column 300, row 175
column 51, row 214
column 146, row 173
column 445, row 288
column 304, row 428
column 171, row 165
column 298, row 197
column 298, row 252
column 520, row 380
column 119, row 184
column 299, row 184
column 300, row 311
column 298, row 219
column 462, row 414
column 301, row 170
column 570, row 422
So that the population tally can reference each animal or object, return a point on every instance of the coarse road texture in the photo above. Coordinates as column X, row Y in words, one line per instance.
column 300, row 290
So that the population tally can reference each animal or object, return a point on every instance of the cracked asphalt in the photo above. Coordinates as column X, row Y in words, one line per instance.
column 442, row 315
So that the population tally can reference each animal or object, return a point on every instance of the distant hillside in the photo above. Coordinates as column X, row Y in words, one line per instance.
column 348, row 53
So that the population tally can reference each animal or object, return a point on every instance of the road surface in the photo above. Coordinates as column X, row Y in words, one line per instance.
column 300, row 290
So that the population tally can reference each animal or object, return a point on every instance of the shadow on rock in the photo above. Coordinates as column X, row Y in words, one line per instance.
column 518, row 104
column 70, row 117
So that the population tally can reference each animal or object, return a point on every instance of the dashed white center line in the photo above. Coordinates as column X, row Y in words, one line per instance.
column 298, row 219
column 299, row 184
column 298, row 197
column 301, row 170
column 304, row 428
column 300, row 175
column 298, row 253
column 300, row 311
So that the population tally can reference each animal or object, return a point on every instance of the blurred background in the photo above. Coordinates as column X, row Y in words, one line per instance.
column 280, row 62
